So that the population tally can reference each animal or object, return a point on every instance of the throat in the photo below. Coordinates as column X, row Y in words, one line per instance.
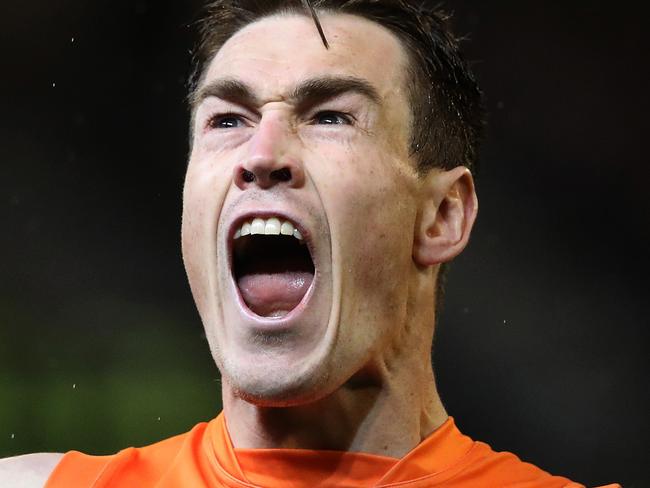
column 345, row 420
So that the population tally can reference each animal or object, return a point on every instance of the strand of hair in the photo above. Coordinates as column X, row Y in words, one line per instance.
column 314, row 16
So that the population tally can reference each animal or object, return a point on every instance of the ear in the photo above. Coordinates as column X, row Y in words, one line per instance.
column 448, row 208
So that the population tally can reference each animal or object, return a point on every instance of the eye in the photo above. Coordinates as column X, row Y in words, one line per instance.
column 226, row 121
column 332, row 118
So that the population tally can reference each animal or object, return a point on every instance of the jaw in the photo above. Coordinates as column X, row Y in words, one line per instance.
column 281, row 358
column 265, row 359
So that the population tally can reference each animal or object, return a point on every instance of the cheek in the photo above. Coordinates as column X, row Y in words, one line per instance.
column 195, row 207
column 206, row 184
column 379, row 242
column 374, row 247
column 192, row 240
column 373, row 215
column 202, row 200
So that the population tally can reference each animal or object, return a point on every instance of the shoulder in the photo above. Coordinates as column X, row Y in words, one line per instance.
column 133, row 466
column 476, row 463
column 505, row 468
column 29, row 470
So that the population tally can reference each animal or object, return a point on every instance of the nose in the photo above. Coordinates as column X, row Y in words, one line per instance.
column 270, row 160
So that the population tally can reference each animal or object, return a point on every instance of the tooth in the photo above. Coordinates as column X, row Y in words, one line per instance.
column 237, row 234
column 257, row 227
column 272, row 227
column 297, row 234
column 246, row 229
column 286, row 229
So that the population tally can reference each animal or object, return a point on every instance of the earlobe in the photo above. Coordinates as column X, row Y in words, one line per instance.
column 448, row 208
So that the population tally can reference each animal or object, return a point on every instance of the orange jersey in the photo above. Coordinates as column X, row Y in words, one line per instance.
column 205, row 458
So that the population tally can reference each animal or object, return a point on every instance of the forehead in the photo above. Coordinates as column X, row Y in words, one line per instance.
column 276, row 52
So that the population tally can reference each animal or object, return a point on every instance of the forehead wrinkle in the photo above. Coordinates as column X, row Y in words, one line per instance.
column 258, row 41
column 307, row 92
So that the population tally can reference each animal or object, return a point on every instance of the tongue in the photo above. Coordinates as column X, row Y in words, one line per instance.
column 274, row 294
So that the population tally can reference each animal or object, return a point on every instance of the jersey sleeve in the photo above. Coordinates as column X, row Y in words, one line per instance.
column 78, row 470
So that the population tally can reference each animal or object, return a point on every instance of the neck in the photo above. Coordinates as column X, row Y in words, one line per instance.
column 387, row 412
column 388, row 420
column 387, row 408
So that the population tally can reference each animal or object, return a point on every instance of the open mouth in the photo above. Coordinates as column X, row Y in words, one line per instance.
column 272, row 265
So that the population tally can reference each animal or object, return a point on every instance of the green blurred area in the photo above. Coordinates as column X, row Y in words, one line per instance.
column 101, row 375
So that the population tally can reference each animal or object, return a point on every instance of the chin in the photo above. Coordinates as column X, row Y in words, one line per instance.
column 269, row 384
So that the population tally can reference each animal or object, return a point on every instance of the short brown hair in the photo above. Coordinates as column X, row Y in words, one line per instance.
column 446, row 102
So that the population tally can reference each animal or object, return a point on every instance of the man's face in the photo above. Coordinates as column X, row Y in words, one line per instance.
column 286, row 129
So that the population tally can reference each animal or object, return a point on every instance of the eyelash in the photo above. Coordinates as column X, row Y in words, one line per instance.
column 347, row 118
column 216, row 119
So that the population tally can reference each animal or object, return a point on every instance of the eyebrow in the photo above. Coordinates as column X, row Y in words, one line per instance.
column 307, row 93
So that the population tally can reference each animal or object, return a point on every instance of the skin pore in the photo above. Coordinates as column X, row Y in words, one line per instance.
column 351, row 370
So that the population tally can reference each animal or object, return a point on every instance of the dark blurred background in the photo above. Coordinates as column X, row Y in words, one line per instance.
column 541, row 349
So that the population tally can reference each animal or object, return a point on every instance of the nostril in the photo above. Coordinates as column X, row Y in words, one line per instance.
column 283, row 174
column 247, row 176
